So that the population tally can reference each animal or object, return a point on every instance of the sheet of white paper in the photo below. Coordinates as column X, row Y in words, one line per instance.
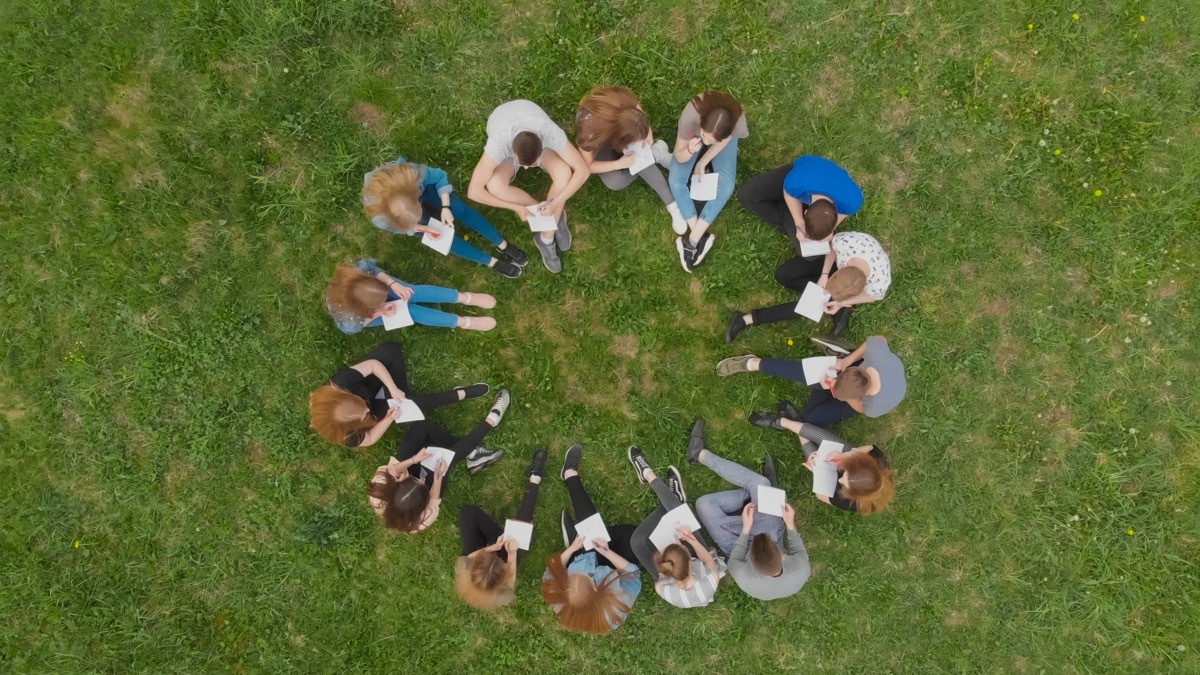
column 704, row 187
column 436, row 454
column 520, row 531
column 664, row 533
column 442, row 243
column 825, row 473
column 400, row 319
column 409, row 411
column 643, row 156
column 809, row 249
column 812, row 302
column 816, row 367
column 771, row 500
column 592, row 529
column 540, row 223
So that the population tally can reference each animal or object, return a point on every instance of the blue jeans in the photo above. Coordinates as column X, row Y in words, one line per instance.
column 721, row 512
column 724, row 164
column 423, row 315
column 467, row 216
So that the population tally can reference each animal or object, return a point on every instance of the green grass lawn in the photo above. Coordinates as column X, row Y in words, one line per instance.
column 178, row 180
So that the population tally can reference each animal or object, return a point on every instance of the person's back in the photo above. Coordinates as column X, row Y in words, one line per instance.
column 763, row 572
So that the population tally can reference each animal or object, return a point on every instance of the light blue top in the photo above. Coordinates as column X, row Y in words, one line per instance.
column 627, row 589
column 428, row 177
column 348, row 322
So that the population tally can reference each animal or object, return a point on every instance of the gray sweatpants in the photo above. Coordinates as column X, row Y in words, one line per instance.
column 621, row 179
column 721, row 512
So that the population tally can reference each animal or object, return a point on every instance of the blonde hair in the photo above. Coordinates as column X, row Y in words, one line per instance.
column 846, row 283
column 336, row 413
column 585, row 606
column 393, row 191
column 483, row 583
column 851, row 384
column 674, row 561
column 871, row 486
column 356, row 291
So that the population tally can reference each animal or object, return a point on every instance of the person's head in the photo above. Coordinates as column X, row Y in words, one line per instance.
column 336, row 413
column 674, row 561
column 527, row 148
column 866, row 483
column 484, row 582
column 393, row 191
column 851, row 384
column 614, row 120
column 586, row 606
column 356, row 291
column 404, row 502
column 846, row 283
column 765, row 555
column 820, row 217
column 719, row 114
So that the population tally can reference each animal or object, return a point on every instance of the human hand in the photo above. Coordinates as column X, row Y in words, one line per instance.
column 442, row 467
column 577, row 544
column 685, row 534
column 405, row 292
column 626, row 161
column 811, row 461
column 420, row 456
column 748, row 517
column 601, row 546
column 694, row 145
column 789, row 516
column 447, row 217
column 510, row 545
column 552, row 208
column 827, row 382
column 522, row 213
column 832, row 306
column 841, row 364
column 391, row 415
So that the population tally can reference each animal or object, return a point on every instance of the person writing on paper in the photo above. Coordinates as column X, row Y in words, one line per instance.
column 486, row 574
column 687, row 571
column 590, row 591
column 857, row 271
column 609, row 128
column 870, row 380
column 405, row 198
column 352, row 408
column 406, row 493
column 866, row 483
column 753, row 540
column 710, row 127
column 359, row 297
column 522, row 136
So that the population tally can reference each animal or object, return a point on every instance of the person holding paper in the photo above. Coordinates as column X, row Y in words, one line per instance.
column 614, row 135
column 870, row 380
column 590, row 591
column 407, row 492
column 352, row 409
column 486, row 574
column 753, row 540
column 405, row 198
column 361, row 296
column 857, row 272
column 686, row 570
column 522, row 136
column 710, row 127
column 866, row 482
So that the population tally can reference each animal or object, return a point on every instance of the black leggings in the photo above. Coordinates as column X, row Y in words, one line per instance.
column 477, row 530
column 391, row 355
column 762, row 195
column 581, row 503
column 424, row 433
column 642, row 546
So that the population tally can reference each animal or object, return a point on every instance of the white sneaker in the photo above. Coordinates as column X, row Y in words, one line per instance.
column 662, row 154
column 677, row 222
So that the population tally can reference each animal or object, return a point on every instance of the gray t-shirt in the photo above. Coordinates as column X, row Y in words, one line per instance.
column 514, row 117
column 892, row 384
column 689, row 124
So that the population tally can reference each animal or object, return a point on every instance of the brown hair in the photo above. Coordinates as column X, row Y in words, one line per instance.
column 484, row 581
column 846, row 283
column 613, row 120
column 851, row 384
column 674, row 561
column 357, row 291
column 820, row 218
column 336, row 413
column 871, row 486
column 392, row 191
column 404, row 501
column 585, row 606
column 719, row 113
column 766, row 555
column 527, row 147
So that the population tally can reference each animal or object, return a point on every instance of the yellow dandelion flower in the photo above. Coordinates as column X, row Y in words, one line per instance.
column 1129, row 532
column 1143, row 18
column 466, row 237
column 1029, row 27
column 790, row 343
column 1098, row 192
column 76, row 543
column 1057, row 151
column 1075, row 16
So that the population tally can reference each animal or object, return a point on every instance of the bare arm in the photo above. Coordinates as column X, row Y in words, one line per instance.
column 374, row 367
column 713, row 151
column 376, row 432
column 685, row 148
column 706, row 558
column 579, row 174
column 477, row 190
column 595, row 166
column 793, row 206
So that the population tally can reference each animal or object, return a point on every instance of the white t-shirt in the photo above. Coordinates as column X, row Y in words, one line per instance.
column 514, row 117
column 847, row 245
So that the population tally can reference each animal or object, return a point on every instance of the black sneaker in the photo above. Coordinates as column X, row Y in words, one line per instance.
column 769, row 471
column 507, row 269
column 571, row 461
column 475, row 390
column 675, row 483
column 537, row 465
column 696, row 442
column 765, row 419
column 841, row 321
column 686, row 251
column 481, row 458
column 702, row 248
column 562, row 522
column 515, row 255
column 737, row 324
column 638, row 459
column 788, row 410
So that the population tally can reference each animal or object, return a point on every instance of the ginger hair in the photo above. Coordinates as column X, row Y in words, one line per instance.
column 674, row 561
column 871, row 486
column 614, row 120
column 360, row 293
column 846, row 283
column 485, row 581
column 719, row 113
column 585, row 606
column 393, row 191
column 336, row 413
column 851, row 384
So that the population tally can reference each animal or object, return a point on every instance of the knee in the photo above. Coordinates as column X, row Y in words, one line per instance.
column 612, row 180
column 468, row 515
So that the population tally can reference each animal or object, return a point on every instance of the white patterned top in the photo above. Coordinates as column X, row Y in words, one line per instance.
column 847, row 245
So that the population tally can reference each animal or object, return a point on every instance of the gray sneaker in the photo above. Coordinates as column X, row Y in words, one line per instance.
column 481, row 458
column 549, row 253
column 562, row 236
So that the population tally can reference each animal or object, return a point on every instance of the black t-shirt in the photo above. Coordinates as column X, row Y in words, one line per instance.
column 848, row 504
column 366, row 387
